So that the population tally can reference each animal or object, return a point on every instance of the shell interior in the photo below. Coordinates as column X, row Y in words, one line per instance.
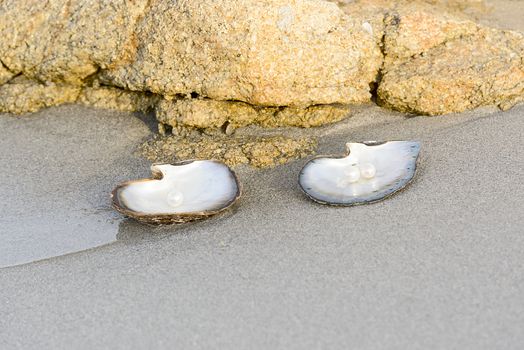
column 325, row 180
column 195, row 187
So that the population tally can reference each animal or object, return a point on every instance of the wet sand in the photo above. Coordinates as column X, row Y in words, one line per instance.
column 438, row 266
column 58, row 167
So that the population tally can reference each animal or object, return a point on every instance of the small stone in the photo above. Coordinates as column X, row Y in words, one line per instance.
column 230, row 129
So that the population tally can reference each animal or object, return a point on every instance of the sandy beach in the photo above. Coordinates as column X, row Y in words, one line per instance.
column 440, row 265
column 436, row 266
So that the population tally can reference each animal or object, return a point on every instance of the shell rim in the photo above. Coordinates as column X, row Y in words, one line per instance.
column 367, row 143
column 178, row 217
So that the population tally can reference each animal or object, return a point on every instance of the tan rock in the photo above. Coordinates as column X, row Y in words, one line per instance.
column 481, row 69
column 407, row 28
column 206, row 113
column 5, row 74
column 265, row 62
column 261, row 152
column 23, row 95
column 67, row 41
column 413, row 30
column 437, row 60
column 269, row 52
column 118, row 99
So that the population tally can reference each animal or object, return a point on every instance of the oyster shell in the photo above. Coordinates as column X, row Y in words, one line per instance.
column 370, row 172
column 179, row 192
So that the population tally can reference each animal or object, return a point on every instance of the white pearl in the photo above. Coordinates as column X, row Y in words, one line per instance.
column 352, row 174
column 175, row 198
column 368, row 170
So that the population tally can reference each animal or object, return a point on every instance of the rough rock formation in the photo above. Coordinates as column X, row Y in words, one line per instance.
column 258, row 151
column 269, row 53
column 482, row 68
column 67, row 41
column 438, row 61
column 207, row 113
column 415, row 29
column 22, row 95
column 118, row 99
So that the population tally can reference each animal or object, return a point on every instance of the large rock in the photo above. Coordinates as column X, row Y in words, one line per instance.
column 413, row 30
column 67, row 41
column 266, row 62
column 479, row 67
column 269, row 52
column 438, row 60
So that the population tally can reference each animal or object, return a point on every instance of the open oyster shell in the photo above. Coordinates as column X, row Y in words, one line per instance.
column 179, row 192
column 370, row 172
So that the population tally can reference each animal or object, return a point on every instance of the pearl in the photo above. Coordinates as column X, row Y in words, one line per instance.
column 352, row 174
column 175, row 198
column 368, row 170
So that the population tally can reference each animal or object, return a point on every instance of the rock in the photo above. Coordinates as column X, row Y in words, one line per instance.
column 437, row 60
column 117, row 99
column 471, row 8
column 414, row 30
column 407, row 28
column 5, row 74
column 266, row 62
column 258, row 151
column 206, row 113
column 484, row 68
column 23, row 95
column 67, row 41
column 266, row 53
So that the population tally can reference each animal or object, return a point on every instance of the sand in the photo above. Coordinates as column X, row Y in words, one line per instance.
column 438, row 266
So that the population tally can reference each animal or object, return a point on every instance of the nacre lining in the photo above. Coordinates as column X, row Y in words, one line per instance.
column 370, row 172
column 198, row 186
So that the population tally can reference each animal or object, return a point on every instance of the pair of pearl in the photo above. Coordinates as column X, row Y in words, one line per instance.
column 355, row 172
